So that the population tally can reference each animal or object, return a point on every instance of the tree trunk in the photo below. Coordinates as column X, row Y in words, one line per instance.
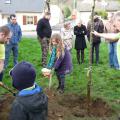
column 89, row 73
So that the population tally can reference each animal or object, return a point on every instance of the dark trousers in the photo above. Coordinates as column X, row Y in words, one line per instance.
column 95, row 49
column 1, row 76
column 61, row 81
column 82, row 56
column 44, row 48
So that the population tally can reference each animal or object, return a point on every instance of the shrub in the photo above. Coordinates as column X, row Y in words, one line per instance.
column 67, row 12
column 103, row 14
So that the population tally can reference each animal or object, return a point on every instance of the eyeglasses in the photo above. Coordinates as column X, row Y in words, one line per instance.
column 13, row 19
column 8, row 38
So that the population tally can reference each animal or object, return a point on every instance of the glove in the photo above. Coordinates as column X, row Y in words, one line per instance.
column 46, row 72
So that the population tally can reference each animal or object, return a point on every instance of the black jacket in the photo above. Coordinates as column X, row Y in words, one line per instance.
column 30, row 107
column 44, row 28
column 98, row 26
column 80, row 32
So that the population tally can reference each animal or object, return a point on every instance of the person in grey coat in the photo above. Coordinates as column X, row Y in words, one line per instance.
column 30, row 102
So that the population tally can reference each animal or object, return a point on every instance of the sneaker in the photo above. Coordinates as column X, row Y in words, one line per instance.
column 58, row 88
column 61, row 91
column 117, row 68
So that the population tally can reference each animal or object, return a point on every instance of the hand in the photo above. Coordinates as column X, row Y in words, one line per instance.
column 83, row 32
column 95, row 33
column 46, row 72
column 1, row 84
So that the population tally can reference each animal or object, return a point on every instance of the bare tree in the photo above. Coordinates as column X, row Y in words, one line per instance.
column 89, row 72
column 47, row 5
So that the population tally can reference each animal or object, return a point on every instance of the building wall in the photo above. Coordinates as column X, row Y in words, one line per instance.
column 84, row 16
column 4, row 19
column 56, row 15
column 27, row 27
column 0, row 19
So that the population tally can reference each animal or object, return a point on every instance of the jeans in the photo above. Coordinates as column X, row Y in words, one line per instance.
column 113, row 61
column 8, row 48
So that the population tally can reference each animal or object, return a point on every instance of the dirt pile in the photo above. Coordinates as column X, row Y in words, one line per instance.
column 62, row 107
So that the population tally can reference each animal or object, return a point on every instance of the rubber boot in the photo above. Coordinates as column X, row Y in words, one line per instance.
column 82, row 56
column 78, row 58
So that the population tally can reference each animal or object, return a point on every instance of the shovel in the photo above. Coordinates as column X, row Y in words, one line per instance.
column 7, row 88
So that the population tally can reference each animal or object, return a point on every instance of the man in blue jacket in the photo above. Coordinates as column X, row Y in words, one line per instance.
column 13, row 43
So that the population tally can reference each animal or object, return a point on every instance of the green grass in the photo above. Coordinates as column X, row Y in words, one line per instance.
column 105, row 81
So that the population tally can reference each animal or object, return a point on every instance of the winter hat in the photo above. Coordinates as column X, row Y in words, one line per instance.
column 23, row 75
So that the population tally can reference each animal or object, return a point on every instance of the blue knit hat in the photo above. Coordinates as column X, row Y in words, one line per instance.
column 23, row 75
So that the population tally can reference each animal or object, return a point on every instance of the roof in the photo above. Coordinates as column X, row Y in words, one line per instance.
column 22, row 6
column 110, row 6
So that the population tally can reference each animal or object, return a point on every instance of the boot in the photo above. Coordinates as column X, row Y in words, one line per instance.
column 59, row 85
column 82, row 56
column 78, row 58
column 59, row 82
column 62, row 86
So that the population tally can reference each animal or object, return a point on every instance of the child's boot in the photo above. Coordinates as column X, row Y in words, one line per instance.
column 62, row 86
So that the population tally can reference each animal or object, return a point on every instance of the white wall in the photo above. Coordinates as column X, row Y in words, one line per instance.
column 3, row 19
column 27, row 27
column 56, row 15
column 85, row 16
column 0, row 19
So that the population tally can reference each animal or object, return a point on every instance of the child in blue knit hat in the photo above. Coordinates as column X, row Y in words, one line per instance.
column 30, row 103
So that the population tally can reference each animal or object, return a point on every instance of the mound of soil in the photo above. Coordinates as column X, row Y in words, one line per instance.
column 62, row 106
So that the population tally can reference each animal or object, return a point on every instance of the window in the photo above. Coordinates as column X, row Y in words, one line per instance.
column 7, row 1
column 29, row 19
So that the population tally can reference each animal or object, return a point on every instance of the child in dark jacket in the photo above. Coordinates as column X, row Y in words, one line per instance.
column 60, row 60
column 30, row 102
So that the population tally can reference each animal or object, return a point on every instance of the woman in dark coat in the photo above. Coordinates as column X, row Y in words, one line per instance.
column 80, row 44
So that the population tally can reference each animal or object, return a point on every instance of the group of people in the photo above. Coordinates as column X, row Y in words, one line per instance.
column 23, row 74
column 23, row 77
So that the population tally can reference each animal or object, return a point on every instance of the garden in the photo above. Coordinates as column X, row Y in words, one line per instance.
column 72, row 105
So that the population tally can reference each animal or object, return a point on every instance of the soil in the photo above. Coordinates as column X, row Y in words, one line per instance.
column 63, row 106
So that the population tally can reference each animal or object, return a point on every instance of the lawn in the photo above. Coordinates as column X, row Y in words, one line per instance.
column 105, row 80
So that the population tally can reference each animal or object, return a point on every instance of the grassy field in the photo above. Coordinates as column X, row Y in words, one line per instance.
column 105, row 80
